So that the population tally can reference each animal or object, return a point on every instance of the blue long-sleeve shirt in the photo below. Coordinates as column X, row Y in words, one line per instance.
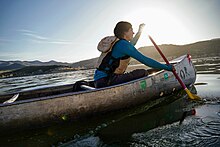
column 123, row 48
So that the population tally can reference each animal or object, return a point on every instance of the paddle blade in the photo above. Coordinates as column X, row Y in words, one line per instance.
column 192, row 96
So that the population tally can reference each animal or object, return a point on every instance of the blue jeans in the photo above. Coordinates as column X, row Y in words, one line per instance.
column 120, row 78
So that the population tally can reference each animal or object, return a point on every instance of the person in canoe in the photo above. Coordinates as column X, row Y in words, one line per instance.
column 116, row 53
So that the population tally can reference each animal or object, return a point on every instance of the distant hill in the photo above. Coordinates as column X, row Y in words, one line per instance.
column 35, row 70
column 87, row 64
column 5, row 65
column 196, row 50
column 209, row 48
column 13, row 65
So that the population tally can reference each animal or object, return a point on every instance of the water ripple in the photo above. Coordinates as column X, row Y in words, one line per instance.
column 18, row 84
column 193, row 132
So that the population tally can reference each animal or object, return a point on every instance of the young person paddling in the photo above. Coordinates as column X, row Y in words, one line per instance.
column 112, row 66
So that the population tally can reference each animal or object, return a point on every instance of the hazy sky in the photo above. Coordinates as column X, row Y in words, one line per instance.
column 69, row 30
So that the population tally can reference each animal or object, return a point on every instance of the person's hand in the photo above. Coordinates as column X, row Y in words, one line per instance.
column 171, row 67
column 141, row 27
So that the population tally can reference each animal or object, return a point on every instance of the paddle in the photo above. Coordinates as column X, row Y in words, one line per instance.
column 191, row 96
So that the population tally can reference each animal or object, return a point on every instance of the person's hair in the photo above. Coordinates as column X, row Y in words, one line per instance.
column 120, row 28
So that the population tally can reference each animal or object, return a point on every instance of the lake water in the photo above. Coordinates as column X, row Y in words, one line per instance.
column 11, row 85
column 169, row 121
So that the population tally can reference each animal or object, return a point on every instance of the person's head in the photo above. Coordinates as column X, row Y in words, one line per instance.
column 123, row 30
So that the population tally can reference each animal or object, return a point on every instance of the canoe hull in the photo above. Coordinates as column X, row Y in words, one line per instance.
column 74, row 105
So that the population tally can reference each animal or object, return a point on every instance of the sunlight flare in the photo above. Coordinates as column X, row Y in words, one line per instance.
column 164, row 26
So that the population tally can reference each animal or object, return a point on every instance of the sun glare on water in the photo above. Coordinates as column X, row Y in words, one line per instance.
column 164, row 27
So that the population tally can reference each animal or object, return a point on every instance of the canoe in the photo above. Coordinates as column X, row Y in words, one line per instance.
column 81, row 99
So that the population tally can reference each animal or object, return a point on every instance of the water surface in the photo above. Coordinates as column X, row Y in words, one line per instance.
column 169, row 121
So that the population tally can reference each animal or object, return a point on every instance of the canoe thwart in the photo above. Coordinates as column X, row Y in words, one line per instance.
column 85, row 87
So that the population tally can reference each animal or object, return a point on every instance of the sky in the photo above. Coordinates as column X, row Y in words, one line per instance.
column 69, row 30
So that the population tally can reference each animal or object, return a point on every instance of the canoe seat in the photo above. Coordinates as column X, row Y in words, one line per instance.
column 86, row 87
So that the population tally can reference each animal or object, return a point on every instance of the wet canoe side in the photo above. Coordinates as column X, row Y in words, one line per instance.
column 27, row 113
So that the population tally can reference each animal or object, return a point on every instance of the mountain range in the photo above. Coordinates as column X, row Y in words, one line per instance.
column 206, row 48
column 12, row 65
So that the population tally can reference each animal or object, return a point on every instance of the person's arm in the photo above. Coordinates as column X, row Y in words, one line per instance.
column 134, row 53
column 137, row 35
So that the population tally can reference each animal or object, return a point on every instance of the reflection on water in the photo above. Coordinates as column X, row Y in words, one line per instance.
column 203, row 129
column 200, row 130
column 156, row 123
column 210, row 90
column 166, row 113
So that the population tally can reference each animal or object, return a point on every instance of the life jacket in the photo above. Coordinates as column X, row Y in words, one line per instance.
column 106, row 61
